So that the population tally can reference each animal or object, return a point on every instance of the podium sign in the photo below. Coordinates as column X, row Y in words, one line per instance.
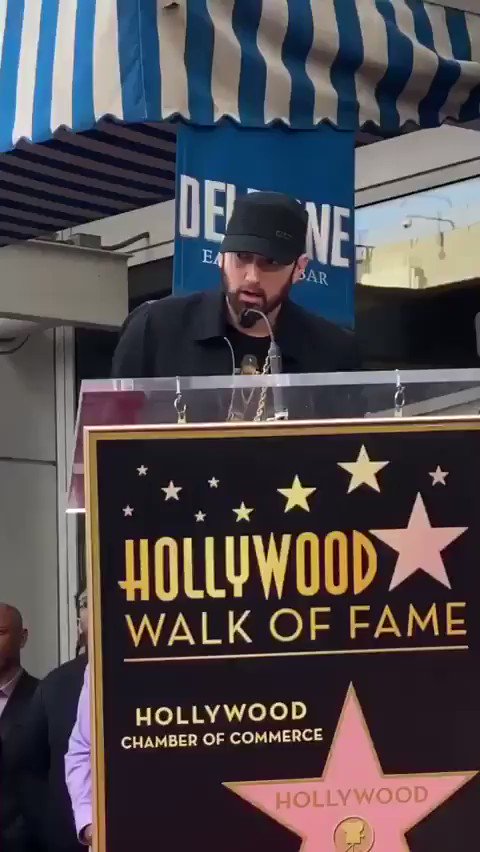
column 286, row 639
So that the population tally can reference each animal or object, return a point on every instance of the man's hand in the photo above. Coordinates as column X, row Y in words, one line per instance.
column 87, row 836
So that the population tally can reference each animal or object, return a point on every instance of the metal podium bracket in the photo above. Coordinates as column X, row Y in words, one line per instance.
column 399, row 396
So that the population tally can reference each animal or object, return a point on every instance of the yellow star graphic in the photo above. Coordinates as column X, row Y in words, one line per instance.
column 243, row 514
column 297, row 495
column 363, row 471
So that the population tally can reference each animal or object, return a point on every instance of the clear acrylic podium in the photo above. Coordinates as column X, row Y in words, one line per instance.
column 369, row 590
column 300, row 397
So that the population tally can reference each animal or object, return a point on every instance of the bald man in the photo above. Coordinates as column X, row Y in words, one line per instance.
column 16, row 690
column 38, row 758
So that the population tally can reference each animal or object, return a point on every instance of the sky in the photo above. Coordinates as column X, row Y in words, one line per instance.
column 381, row 223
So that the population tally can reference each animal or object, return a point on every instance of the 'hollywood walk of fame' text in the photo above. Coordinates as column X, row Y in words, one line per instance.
column 334, row 584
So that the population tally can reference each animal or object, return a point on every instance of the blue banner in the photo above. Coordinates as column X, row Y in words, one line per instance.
column 316, row 167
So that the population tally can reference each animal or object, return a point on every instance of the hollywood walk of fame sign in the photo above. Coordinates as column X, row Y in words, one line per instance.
column 286, row 641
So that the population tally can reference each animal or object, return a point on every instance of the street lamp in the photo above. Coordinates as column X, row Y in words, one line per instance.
column 407, row 223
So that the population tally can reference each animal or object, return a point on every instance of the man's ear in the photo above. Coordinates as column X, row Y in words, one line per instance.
column 221, row 259
column 300, row 267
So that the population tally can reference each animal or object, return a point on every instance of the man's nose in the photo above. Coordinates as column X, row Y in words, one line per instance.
column 251, row 273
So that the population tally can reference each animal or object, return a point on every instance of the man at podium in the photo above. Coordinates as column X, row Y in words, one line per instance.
column 250, row 325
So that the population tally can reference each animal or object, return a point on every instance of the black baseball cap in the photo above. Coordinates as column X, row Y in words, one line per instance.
column 267, row 223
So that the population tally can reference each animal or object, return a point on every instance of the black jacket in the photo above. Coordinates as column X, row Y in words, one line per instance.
column 14, row 832
column 185, row 336
column 37, row 757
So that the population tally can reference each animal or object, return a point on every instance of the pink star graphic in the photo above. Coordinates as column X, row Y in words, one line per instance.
column 354, row 806
column 419, row 546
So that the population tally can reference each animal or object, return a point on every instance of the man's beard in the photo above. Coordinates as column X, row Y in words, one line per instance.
column 239, row 306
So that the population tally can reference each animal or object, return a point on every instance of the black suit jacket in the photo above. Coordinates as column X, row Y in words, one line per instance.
column 37, row 757
column 14, row 833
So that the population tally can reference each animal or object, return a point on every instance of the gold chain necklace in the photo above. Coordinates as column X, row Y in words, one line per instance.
column 263, row 396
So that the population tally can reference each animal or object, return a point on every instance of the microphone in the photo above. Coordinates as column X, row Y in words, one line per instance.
column 246, row 320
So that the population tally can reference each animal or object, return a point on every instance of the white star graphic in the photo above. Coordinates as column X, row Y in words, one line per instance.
column 172, row 491
column 200, row 517
column 243, row 514
column 213, row 482
column 142, row 470
column 128, row 512
column 439, row 476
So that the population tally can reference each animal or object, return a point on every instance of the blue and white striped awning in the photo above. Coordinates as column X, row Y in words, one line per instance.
column 69, row 63
column 112, row 70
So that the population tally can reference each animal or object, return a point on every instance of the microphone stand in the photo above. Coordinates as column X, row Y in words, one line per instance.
column 280, row 411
